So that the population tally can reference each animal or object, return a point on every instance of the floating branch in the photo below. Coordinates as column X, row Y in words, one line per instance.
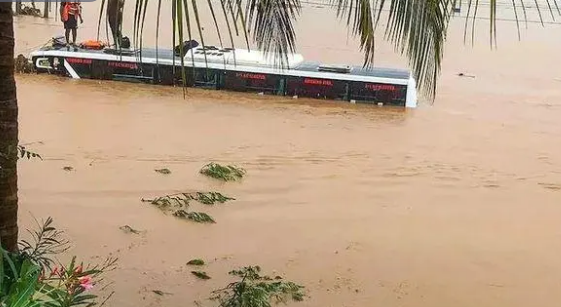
column 178, row 204
column 225, row 173
column 258, row 289
column 199, row 217
column 196, row 262
column 23, row 65
column 200, row 274
column 210, row 198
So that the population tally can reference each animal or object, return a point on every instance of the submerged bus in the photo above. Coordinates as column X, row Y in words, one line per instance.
column 231, row 69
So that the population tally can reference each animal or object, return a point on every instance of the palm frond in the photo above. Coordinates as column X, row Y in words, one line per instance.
column 361, row 16
column 416, row 28
column 271, row 23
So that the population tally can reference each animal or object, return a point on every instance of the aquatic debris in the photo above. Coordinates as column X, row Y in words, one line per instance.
column 260, row 290
column 200, row 274
column 465, row 75
column 225, row 173
column 199, row 217
column 68, row 168
column 23, row 65
column 164, row 171
column 128, row 229
column 196, row 262
column 178, row 204
column 211, row 198
column 550, row 186
column 183, row 199
column 160, row 292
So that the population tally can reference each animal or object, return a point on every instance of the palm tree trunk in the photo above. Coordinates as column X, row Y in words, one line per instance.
column 8, row 132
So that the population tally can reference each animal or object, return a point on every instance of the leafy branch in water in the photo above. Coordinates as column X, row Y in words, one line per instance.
column 225, row 173
column 199, row 217
column 255, row 290
column 47, row 241
column 18, row 153
column 178, row 204
column 196, row 262
column 200, row 274
column 24, row 153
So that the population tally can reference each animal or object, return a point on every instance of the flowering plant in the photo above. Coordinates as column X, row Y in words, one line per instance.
column 67, row 286
column 24, row 281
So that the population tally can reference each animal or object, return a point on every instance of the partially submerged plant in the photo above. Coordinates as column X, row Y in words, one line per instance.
column 128, row 229
column 196, row 262
column 210, row 198
column 23, row 65
column 178, row 204
column 27, row 280
column 225, row 173
column 200, row 275
column 199, row 217
column 19, row 152
column 255, row 290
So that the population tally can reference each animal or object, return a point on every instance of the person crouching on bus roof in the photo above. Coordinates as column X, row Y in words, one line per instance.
column 69, row 13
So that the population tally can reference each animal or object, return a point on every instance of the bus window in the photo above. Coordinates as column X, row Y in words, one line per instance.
column 317, row 88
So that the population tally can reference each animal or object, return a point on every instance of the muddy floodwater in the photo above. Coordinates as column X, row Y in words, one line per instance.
column 456, row 203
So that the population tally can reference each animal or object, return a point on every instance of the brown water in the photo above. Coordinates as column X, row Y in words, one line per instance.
column 454, row 204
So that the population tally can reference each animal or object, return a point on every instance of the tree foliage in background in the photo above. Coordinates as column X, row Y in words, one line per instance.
column 416, row 28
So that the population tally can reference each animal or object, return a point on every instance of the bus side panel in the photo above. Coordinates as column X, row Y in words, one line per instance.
column 252, row 82
column 167, row 75
column 206, row 78
column 82, row 67
column 387, row 94
column 317, row 88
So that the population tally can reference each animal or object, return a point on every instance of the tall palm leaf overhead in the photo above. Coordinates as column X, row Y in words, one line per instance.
column 416, row 28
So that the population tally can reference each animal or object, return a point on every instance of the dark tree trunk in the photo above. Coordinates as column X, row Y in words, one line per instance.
column 8, row 132
column 47, row 9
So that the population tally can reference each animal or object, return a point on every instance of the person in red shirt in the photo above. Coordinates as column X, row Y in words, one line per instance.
column 70, row 12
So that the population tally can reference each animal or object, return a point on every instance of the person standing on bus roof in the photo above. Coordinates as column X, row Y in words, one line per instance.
column 69, row 13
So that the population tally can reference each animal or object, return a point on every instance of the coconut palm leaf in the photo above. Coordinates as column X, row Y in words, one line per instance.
column 416, row 28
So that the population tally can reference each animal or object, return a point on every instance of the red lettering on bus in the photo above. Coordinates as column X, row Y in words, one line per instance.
column 251, row 76
column 379, row 87
column 318, row 82
column 123, row 65
column 78, row 61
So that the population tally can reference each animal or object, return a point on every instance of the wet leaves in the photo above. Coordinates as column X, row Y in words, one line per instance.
column 23, row 65
column 196, row 262
column 128, row 229
column 200, row 275
column 199, row 217
column 260, row 290
column 211, row 198
column 178, row 204
column 220, row 172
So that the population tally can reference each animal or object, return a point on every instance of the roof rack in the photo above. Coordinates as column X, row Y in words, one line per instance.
column 335, row 68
